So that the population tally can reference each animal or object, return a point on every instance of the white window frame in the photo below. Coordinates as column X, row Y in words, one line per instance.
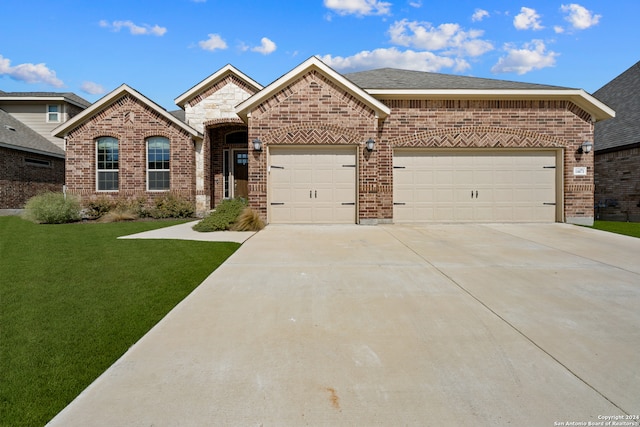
column 157, row 170
column 98, row 170
column 58, row 113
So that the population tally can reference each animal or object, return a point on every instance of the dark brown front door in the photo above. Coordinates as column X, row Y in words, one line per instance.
column 241, row 174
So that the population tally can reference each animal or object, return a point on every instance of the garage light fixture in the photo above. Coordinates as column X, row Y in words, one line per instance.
column 370, row 144
column 257, row 144
column 585, row 147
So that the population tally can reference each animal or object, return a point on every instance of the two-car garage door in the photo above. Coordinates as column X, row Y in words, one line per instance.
column 485, row 186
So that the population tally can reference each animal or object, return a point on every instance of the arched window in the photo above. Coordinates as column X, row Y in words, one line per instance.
column 158, row 156
column 107, row 164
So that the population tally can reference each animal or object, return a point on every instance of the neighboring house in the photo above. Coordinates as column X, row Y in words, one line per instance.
column 31, row 159
column 29, row 163
column 379, row 146
column 43, row 111
column 617, row 150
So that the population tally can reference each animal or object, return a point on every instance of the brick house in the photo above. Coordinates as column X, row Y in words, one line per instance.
column 372, row 147
column 617, row 150
column 31, row 159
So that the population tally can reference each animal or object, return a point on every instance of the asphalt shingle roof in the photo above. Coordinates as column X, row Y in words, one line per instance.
column 623, row 95
column 15, row 134
column 69, row 96
column 393, row 78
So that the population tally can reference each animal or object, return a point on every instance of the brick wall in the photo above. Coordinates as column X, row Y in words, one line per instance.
column 618, row 185
column 22, row 176
column 459, row 124
column 131, row 122
column 312, row 110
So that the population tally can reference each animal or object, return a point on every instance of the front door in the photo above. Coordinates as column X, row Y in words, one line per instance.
column 241, row 174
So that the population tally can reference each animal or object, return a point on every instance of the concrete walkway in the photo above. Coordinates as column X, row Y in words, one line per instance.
column 186, row 232
column 442, row 325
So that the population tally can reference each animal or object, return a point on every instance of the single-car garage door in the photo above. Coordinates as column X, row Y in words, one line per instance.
column 479, row 186
column 312, row 185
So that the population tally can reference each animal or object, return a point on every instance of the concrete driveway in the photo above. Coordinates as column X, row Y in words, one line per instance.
column 465, row 325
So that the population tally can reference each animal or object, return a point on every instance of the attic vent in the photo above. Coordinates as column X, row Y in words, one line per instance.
column 37, row 162
column 9, row 127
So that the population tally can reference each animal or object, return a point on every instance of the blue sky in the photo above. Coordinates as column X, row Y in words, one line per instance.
column 163, row 48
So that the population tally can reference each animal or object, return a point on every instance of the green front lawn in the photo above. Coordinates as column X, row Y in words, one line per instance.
column 73, row 299
column 627, row 228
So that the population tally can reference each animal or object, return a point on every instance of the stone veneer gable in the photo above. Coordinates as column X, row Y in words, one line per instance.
column 217, row 102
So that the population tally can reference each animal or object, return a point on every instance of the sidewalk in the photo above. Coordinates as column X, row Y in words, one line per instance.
column 186, row 232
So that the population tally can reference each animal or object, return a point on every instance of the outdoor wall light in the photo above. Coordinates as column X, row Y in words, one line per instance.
column 370, row 144
column 257, row 144
column 585, row 147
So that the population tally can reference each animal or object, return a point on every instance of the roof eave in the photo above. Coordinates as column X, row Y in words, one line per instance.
column 182, row 100
column 62, row 130
column 313, row 63
column 598, row 110
column 43, row 99
column 31, row 150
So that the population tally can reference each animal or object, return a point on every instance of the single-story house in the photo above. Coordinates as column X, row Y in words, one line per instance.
column 317, row 146
column 617, row 149
column 31, row 159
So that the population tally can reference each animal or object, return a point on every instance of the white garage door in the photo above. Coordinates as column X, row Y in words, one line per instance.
column 312, row 185
column 474, row 186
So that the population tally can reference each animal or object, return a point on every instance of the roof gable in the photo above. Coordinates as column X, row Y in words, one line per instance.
column 110, row 99
column 214, row 78
column 16, row 135
column 243, row 109
column 623, row 94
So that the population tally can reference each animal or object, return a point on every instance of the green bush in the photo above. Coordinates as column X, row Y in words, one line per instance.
column 172, row 206
column 223, row 216
column 52, row 208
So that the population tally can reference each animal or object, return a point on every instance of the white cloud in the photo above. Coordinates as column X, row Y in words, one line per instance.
column 479, row 15
column 92, row 88
column 358, row 7
column 448, row 37
column 29, row 73
column 417, row 4
column 392, row 57
column 532, row 56
column 214, row 42
column 527, row 19
column 266, row 47
column 136, row 30
column 580, row 17
column 558, row 29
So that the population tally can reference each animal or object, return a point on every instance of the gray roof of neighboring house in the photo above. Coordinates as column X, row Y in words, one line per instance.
column 179, row 114
column 623, row 95
column 393, row 78
column 70, row 97
column 16, row 135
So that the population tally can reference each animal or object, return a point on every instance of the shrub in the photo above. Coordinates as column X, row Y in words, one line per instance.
column 249, row 220
column 52, row 208
column 98, row 206
column 172, row 206
column 223, row 216
column 118, row 215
